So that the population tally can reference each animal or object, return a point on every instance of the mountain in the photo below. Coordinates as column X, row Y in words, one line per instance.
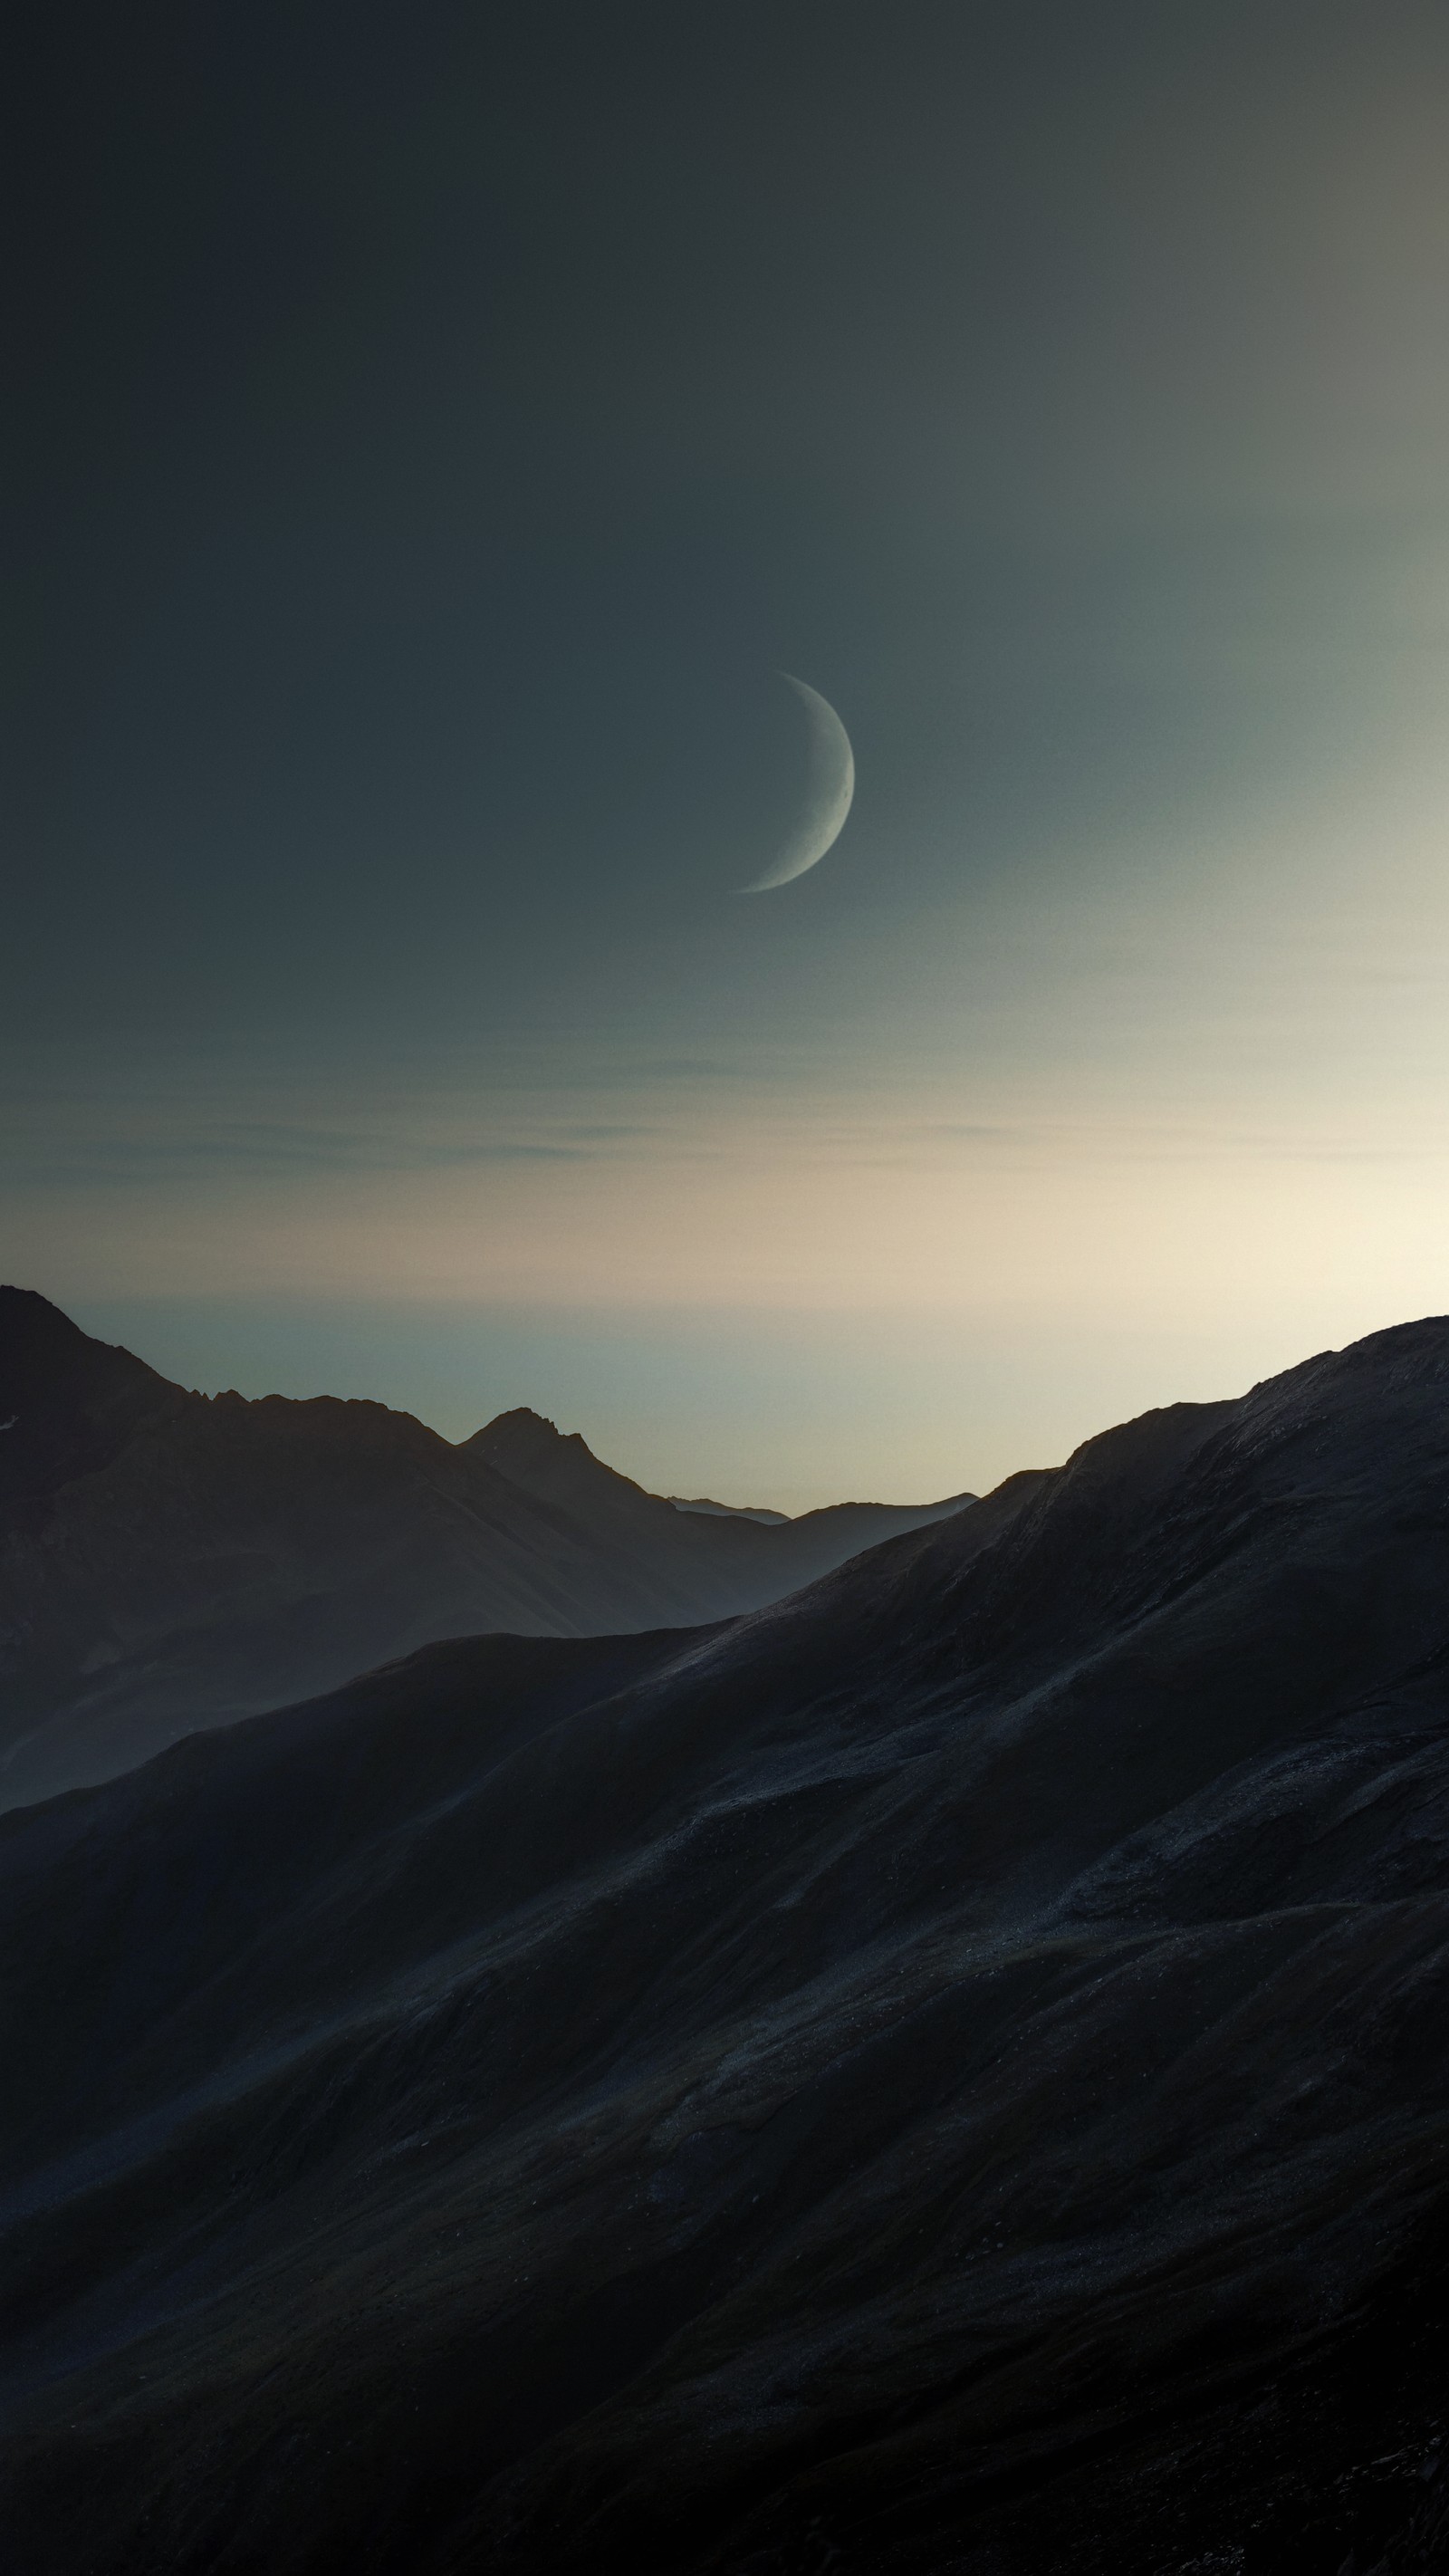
column 563, row 1471
column 169, row 1561
column 947, row 2075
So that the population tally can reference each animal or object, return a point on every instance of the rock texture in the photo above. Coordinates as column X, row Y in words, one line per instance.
column 169, row 1561
column 948, row 2073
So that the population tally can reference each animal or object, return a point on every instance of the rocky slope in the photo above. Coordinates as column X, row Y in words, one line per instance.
column 948, row 2073
column 169, row 1561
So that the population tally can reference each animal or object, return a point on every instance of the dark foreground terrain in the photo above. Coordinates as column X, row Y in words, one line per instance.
column 169, row 1561
column 948, row 2076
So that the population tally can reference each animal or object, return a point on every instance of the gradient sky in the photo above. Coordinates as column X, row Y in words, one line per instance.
column 441, row 423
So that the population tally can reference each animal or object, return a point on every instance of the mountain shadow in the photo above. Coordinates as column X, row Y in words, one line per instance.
column 947, row 2073
column 169, row 1561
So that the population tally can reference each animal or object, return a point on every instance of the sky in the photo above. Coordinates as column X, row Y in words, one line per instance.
column 435, row 430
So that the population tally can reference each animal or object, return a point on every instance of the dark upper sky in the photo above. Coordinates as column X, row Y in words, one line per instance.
column 445, row 417
column 437, row 424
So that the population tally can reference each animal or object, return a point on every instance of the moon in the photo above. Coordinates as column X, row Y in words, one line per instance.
column 832, row 785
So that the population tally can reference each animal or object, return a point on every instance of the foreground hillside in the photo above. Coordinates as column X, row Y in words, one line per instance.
column 169, row 1561
column 948, row 2073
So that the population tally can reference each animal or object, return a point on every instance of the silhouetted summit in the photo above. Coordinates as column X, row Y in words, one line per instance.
column 949, row 2072
column 67, row 1404
column 522, row 1440
column 557, row 1466
column 170, row 1560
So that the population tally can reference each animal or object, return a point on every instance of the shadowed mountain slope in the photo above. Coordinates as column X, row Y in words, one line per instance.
column 563, row 1471
column 948, row 2073
column 169, row 1561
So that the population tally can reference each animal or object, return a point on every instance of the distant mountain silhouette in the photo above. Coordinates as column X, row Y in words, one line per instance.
column 949, row 2073
column 169, row 1561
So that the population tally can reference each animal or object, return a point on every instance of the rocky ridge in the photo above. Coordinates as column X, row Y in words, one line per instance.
column 945, row 2073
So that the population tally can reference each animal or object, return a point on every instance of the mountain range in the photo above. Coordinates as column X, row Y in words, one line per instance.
column 943, row 2075
column 171, row 1560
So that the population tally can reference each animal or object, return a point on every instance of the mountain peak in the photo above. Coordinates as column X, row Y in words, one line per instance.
column 1105, row 1827
column 208, row 1556
column 521, row 1440
column 33, row 1332
column 67, row 1403
column 522, row 1417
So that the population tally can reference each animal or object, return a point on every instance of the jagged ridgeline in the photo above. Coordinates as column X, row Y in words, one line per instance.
column 948, row 2072
column 170, row 1561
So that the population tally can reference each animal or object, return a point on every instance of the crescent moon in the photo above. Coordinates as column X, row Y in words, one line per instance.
column 832, row 785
